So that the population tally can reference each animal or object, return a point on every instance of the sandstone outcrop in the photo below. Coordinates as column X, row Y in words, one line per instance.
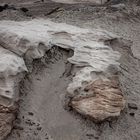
column 28, row 40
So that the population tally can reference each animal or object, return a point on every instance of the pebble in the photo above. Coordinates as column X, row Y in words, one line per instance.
column 132, row 114
column 39, row 128
column 30, row 113
column 132, row 106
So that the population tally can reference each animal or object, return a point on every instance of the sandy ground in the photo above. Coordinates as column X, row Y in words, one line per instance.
column 42, row 114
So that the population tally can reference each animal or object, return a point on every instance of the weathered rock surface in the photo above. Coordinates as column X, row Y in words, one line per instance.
column 105, row 100
column 11, row 67
column 6, row 119
column 31, row 39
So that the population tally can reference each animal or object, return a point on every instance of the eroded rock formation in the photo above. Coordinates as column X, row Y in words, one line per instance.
column 28, row 40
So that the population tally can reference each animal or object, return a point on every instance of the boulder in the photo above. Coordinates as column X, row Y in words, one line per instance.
column 105, row 100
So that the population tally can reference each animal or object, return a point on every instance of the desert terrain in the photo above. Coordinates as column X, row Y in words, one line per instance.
column 69, row 70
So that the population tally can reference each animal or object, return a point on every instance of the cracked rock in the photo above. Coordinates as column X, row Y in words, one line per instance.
column 107, row 101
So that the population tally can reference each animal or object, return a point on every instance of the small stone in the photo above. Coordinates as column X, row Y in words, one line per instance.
column 90, row 135
column 39, row 128
column 132, row 114
column 35, row 133
column 132, row 106
column 24, row 9
column 29, row 122
column 38, row 79
column 31, row 113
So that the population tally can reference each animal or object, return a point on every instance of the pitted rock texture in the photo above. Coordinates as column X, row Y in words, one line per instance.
column 104, row 101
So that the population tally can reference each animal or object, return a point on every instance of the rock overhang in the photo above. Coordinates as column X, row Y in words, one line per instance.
column 31, row 39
